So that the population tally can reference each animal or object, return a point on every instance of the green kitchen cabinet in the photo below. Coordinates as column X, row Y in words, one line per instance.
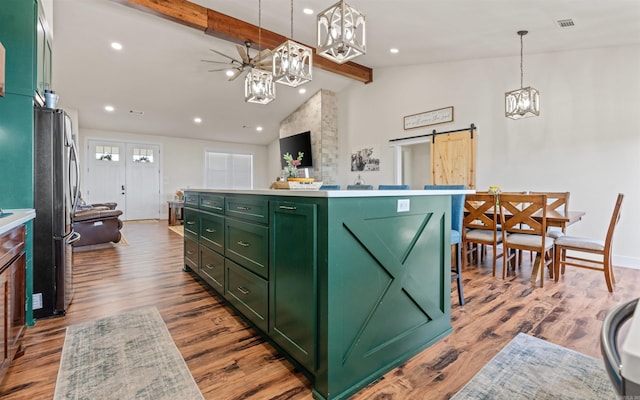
column 347, row 286
column 212, row 231
column 293, row 271
column 191, row 222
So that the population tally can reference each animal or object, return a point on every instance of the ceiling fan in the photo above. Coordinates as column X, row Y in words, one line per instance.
column 238, row 66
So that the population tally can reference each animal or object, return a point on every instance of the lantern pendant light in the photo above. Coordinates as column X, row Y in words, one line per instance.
column 259, row 86
column 341, row 33
column 292, row 62
column 523, row 102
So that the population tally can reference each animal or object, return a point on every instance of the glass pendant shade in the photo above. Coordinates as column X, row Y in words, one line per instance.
column 341, row 33
column 259, row 86
column 522, row 103
column 292, row 64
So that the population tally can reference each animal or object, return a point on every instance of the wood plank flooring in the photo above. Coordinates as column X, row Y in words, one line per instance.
column 230, row 361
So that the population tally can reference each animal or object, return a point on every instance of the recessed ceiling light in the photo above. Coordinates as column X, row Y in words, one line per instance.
column 302, row 91
column 109, row 108
column 116, row 46
column 197, row 120
column 259, row 128
column 307, row 11
column 229, row 72
column 394, row 50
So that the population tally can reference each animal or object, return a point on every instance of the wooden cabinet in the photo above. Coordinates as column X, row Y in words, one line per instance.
column 293, row 269
column 12, row 295
column 346, row 287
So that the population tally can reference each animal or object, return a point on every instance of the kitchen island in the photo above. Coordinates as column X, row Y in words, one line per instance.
column 346, row 284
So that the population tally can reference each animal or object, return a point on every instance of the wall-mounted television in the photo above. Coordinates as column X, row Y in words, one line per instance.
column 295, row 143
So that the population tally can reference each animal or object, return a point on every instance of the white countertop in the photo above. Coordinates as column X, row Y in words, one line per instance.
column 336, row 193
column 19, row 217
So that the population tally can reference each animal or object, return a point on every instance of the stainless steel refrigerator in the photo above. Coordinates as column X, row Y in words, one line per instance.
column 56, row 192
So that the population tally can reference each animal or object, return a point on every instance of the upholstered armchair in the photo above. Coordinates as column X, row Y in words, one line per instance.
column 97, row 223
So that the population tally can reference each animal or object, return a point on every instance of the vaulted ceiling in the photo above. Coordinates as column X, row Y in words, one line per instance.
column 157, row 83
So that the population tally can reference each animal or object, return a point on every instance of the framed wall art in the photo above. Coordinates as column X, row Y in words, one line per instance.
column 433, row 117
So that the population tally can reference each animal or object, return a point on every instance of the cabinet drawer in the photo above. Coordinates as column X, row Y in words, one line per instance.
column 191, row 223
column 212, row 231
column 212, row 203
column 191, row 254
column 255, row 210
column 248, row 245
column 11, row 244
column 248, row 293
column 191, row 199
column 212, row 268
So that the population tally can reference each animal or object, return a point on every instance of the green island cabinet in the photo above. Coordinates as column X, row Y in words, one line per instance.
column 346, row 284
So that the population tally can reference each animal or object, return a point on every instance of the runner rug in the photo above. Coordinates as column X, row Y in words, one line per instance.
column 130, row 355
column 532, row 368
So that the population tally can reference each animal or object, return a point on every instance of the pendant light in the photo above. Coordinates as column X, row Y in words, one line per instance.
column 292, row 61
column 259, row 86
column 523, row 102
column 341, row 33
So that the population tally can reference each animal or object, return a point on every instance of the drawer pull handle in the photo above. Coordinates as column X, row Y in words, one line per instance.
column 243, row 208
column 217, row 208
column 243, row 290
column 189, row 252
column 287, row 208
column 209, row 266
column 243, row 244
column 209, row 230
column 191, row 222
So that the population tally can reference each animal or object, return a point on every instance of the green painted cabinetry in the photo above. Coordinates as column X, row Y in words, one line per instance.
column 346, row 286
column 23, row 33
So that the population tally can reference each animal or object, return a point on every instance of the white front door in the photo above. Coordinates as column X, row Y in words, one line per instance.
column 125, row 173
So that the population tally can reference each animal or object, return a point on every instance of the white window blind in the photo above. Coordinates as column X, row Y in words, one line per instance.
column 228, row 170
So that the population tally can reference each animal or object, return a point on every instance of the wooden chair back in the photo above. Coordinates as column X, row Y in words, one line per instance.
column 480, row 211
column 523, row 213
column 557, row 201
column 615, row 217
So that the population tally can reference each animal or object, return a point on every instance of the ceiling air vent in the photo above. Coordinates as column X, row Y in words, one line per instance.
column 565, row 23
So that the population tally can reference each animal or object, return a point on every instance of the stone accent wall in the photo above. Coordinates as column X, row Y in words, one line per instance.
column 319, row 115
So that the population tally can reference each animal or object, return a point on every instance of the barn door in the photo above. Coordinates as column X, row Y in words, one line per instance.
column 453, row 158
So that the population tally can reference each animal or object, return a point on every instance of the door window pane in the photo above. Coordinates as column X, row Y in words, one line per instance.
column 108, row 153
column 142, row 155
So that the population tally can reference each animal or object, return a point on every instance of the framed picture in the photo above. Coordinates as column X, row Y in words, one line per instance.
column 1, row 70
column 433, row 117
column 365, row 159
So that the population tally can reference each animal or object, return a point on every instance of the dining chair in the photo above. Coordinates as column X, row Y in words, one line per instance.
column 393, row 187
column 480, row 223
column 359, row 187
column 523, row 218
column 556, row 202
column 457, row 212
column 588, row 245
column 330, row 187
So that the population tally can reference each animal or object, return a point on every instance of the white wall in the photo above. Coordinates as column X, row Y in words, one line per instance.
column 182, row 160
column 585, row 141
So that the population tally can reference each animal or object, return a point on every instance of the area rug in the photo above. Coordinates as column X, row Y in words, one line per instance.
column 179, row 229
column 126, row 356
column 532, row 368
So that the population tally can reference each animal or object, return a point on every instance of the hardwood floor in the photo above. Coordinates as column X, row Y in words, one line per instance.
column 230, row 361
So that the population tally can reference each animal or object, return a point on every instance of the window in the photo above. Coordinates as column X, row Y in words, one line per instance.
column 108, row 153
column 228, row 170
column 142, row 155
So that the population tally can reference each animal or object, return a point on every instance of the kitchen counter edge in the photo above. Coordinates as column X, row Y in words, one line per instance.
column 18, row 218
column 335, row 193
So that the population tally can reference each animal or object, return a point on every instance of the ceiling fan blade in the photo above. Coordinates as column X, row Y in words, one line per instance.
column 236, row 74
column 264, row 64
column 219, row 62
column 263, row 54
column 221, row 69
column 243, row 53
column 224, row 55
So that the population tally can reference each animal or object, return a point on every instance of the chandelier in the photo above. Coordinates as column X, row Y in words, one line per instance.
column 341, row 33
column 259, row 86
column 292, row 61
column 523, row 102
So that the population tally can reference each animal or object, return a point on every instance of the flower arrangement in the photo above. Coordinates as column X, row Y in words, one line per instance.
column 180, row 194
column 291, row 170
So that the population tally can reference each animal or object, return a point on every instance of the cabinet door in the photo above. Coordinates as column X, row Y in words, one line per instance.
column 191, row 223
column 212, row 231
column 4, row 315
column 16, row 320
column 212, row 268
column 248, row 245
column 292, row 280
column 191, row 253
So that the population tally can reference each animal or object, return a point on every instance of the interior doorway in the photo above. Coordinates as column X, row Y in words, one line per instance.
column 127, row 173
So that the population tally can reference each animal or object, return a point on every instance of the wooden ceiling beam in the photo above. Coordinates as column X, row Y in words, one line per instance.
column 234, row 30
